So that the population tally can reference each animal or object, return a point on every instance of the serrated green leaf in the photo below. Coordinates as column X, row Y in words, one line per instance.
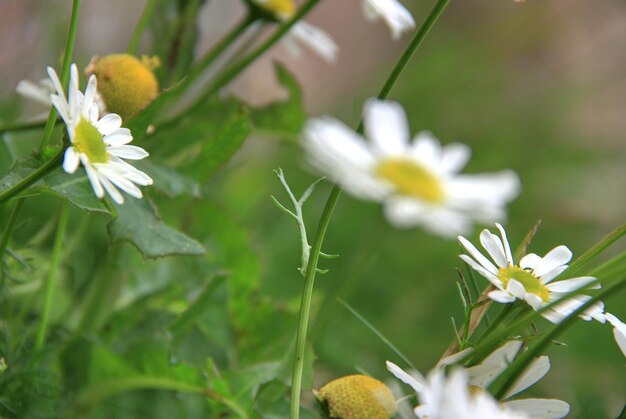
column 138, row 223
column 288, row 115
column 74, row 188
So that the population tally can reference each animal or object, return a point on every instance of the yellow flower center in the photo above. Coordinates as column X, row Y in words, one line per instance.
column 530, row 282
column 88, row 140
column 281, row 8
column 411, row 179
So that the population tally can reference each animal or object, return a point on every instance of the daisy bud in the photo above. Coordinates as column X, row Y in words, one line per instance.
column 357, row 396
column 125, row 83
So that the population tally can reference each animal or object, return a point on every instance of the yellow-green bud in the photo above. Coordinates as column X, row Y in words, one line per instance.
column 125, row 83
column 357, row 397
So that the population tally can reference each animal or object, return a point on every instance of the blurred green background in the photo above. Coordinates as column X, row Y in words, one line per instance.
column 538, row 87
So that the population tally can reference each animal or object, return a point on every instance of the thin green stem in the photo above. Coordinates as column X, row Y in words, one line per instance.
column 421, row 33
column 305, row 305
column 217, row 50
column 233, row 71
column 65, row 72
column 585, row 258
column 146, row 15
column 33, row 177
column 51, row 279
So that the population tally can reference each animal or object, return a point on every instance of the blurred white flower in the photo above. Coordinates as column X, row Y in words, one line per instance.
column 301, row 32
column 395, row 15
column 100, row 144
column 619, row 331
column 481, row 376
column 418, row 181
column 451, row 397
column 531, row 280
column 40, row 93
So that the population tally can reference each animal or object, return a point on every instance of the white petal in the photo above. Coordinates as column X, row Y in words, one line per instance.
column 118, row 138
column 33, row 91
column 417, row 381
column 478, row 268
column 493, row 246
column 109, row 123
column 128, row 152
column 529, row 261
column 71, row 160
column 111, row 190
column 119, row 180
column 386, row 127
column 516, row 289
column 534, row 301
column 483, row 374
column 316, row 39
column 427, row 150
column 505, row 242
column 93, row 178
column 393, row 13
column 549, row 276
column 90, row 94
column 56, row 83
column 533, row 373
column 478, row 256
column 558, row 256
column 62, row 107
column 501, row 297
column 573, row 284
column 540, row 408
column 454, row 157
column 619, row 331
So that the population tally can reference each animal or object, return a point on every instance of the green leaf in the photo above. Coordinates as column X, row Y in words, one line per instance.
column 74, row 188
column 218, row 149
column 204, row 140
column 168, row 180
column 288, row 115
column 138, row 223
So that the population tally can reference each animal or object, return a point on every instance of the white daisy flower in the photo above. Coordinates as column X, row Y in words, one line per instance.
column 531, row 280
column 481, row 376
column 451, row 397
column 301, row 32
column 619, row 331
column 100, row 144
column 395, row 15
column 418, row 181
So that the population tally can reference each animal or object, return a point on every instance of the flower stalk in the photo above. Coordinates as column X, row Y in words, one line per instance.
column 333, row 197
column 51, row 279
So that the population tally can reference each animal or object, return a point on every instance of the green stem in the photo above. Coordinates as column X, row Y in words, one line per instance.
column 506, row 380
column 65, row 72
column 33, row 177
column 585, row 258
column 305, row 305
column 146, row 15
column 51, row 279
column 217, row 50
column 230, row 73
